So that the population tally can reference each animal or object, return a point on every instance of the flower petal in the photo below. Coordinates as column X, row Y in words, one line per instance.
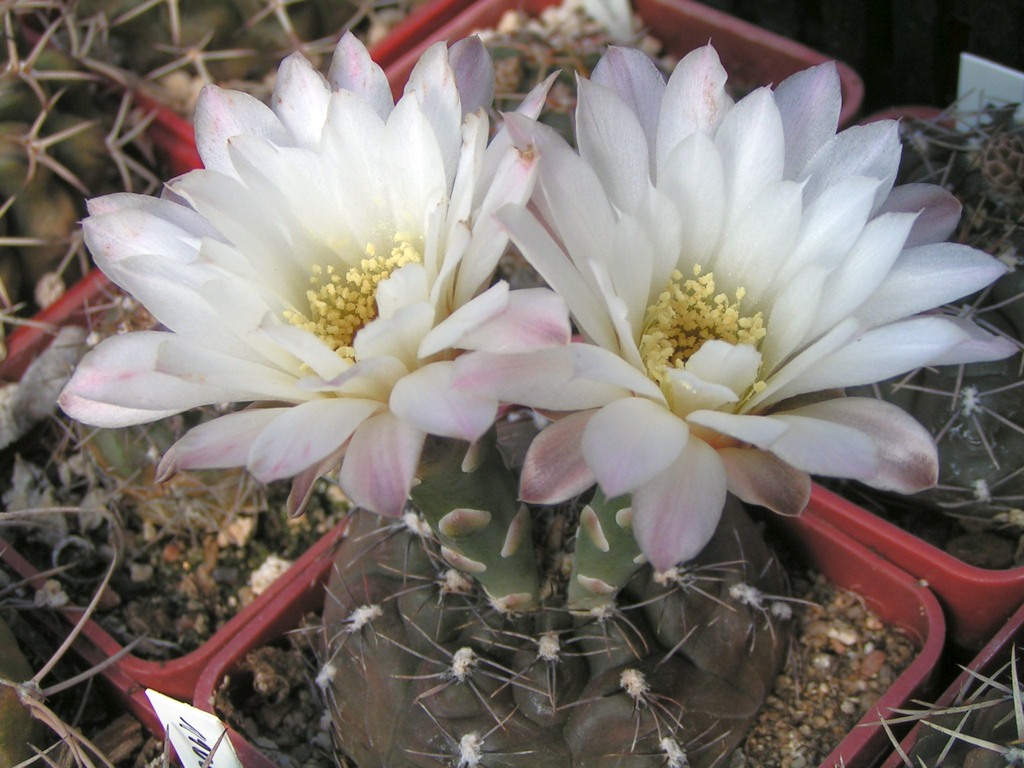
column 631, row 440
column 694, row 100
column 380, row 463
column 555, row 469
column 731, row 365
column 759, row 477
column 612, row 141
column 927, row 277
column 474, row 73
column 752, row 146
column 638, row 82
column 938, row 211
column 676, row 513
column 503, row 321
column 118, row 384
column 223, row 442
column 353, row 70
column 427, row 399
column 810, row 102
column 544, row 378
column 300, row 99
column 906, row 454
column 221, row 115
column 305, row 434
column 824, row 448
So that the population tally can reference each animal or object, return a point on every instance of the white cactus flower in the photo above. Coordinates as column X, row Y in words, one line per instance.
column 731, row 267
column 326, row 267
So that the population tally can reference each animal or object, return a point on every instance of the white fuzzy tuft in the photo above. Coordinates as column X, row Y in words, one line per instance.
column 470, row 751
column 362, row 616
column 675, row 754
column 462, row 663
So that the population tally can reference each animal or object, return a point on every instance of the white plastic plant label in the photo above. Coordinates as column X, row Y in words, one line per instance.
column 194, row 734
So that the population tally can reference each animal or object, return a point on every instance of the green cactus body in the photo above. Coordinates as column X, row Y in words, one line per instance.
column 422, row 667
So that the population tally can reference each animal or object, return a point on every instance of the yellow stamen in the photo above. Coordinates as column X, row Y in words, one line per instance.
column 340, row 305
column 688, row 313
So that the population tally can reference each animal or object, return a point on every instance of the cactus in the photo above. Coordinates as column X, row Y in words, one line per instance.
column 975, row 411
column 982, row 728
column 559, row 651
column 173, row 47
column 67, row 132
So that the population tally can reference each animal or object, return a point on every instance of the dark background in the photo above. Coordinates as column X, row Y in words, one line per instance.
column 906, row 50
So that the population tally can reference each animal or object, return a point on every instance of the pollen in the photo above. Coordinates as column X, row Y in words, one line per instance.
column 688, row 313
column 341, row 304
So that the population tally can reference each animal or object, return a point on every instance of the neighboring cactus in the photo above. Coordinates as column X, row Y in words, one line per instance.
column 982, row 728
column 976, row 411
column 67, row 132
column 176, row 46
column 542, row 662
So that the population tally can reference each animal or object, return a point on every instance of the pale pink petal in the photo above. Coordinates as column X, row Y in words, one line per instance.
column 751, row 144
column 428, row 399
column 611, row 139
column 511, row 186
column 938, row 209
column 117, row 384
column 976, row 345
column 887, row 351
column 543, row 379
column 595, row 364
column 809, row 102
column 692, row 177
column 305, row 434
column 397, row 336
column 759, row 477
column 555, row 469
column 432, row 84
column 554, row 265
column 825, row 448
column 304, row 483
column 907, row 460
column 761, row 431
column 474, row 73
column 864, row 268
column 223, row 442
column 676, row 514
column 631, row 440
column 694, row 99
column 638, row 82
column 871, row 150
column 352, row 69
column 299, row 100
column 927, row 277
column 529, row 319
column 221, row 115
column 380, row 464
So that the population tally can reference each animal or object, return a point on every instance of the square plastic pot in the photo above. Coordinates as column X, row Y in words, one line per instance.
column 977, row 600
column 178, row 677
column 891, row 593
column 750, row 54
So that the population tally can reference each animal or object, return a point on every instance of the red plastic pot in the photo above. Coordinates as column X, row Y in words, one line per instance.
column 750, row 54
column 977, row 600
column 177, row 677
column 891, row 593
column 995, row 654
column 303, row 593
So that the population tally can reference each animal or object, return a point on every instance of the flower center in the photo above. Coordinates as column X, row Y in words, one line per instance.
column 688, row 313
column 339, row 305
